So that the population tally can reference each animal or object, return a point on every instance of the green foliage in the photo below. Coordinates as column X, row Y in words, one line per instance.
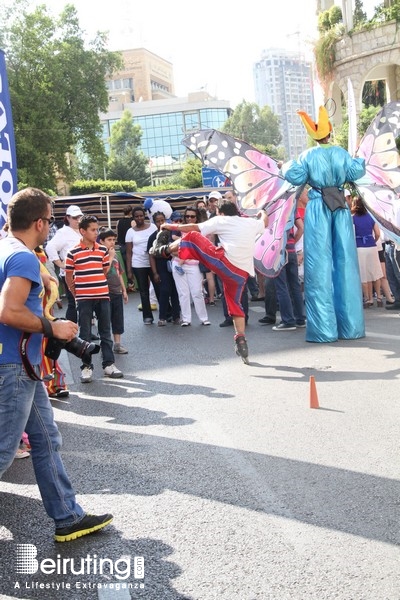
column 335, row 15
column 387, row 13
column 327, row 19
column 164, row 187
column 359, row 16
column 57, row 89
column 366, row 117
column 324, row 23
column 253, row 124
column 78, row 188
column 324, row 51
column 126, row 161
column 190, row 176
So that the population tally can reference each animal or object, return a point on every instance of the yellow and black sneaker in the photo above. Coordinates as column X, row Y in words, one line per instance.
column 89, row 524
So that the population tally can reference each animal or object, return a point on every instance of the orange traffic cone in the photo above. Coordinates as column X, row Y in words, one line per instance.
column 313, row 393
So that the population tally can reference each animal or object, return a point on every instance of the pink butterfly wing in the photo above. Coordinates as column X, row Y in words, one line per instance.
column 270, row 251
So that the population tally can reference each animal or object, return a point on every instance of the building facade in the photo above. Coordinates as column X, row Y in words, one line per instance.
column 165, row 123
column 283, row 80
column 145, row 76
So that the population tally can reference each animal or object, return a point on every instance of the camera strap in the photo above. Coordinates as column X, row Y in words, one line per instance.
column 30, row 371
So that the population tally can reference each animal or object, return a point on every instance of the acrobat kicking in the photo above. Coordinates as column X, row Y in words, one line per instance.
column 232, row 261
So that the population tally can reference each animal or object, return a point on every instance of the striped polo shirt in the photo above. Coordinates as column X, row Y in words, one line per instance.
column 88, row 266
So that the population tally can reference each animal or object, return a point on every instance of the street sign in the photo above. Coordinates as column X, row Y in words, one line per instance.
column 212, row 178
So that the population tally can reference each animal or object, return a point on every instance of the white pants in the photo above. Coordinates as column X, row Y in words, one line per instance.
column 190, row 285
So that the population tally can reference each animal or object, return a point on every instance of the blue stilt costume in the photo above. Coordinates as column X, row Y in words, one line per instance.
column 332, row 283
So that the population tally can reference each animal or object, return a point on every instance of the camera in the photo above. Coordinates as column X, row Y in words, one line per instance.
column 78, row 347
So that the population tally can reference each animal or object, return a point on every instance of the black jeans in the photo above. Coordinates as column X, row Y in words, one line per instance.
column 143, row 276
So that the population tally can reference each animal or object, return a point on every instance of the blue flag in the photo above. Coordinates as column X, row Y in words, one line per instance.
column 8, row 161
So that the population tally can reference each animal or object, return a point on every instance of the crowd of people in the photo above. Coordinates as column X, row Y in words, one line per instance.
column 186, row 260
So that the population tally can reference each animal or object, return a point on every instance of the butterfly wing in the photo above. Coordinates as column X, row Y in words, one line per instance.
column 254, row 175
column 380, row 186
column 270, row 250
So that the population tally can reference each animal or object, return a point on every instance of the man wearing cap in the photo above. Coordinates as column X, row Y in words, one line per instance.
column 57, row 248
column 212, row 204
column 332, row 283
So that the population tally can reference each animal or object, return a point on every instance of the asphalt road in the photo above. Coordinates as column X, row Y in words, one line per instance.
column 220, row 475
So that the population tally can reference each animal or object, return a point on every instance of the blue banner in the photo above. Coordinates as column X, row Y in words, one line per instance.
column 8, row 162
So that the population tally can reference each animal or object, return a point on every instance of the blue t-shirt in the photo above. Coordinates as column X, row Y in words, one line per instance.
column 363, row 227
column 16, row 260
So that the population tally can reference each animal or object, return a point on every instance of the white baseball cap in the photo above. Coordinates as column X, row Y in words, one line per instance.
column 74, row 211
column 215, row 195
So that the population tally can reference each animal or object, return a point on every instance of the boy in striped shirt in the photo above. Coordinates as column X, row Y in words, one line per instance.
column 86, row 268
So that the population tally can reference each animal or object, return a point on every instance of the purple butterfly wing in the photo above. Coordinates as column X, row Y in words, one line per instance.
column 270, row 251
column 257, row 183
column 254, row 175
column 380, row 186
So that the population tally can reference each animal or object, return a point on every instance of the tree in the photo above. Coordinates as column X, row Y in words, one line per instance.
column 57, row 89
column 359, row 16
column 191, row 175
column 254, row 125
column 126, row 162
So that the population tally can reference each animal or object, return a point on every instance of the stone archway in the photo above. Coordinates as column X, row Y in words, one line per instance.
column 366, row 55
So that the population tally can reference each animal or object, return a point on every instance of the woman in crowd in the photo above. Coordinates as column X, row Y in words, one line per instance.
column 189, row 280
column 366, row 232
column 138, row 260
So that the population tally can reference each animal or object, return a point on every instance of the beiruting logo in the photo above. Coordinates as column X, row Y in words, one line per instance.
column 28, row 564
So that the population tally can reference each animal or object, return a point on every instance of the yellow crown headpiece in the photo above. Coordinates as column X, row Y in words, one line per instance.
column 317, row 130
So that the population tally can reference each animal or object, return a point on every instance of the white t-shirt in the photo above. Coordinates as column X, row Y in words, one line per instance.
column 60, row 244
column 237, row 236
column 139, row 239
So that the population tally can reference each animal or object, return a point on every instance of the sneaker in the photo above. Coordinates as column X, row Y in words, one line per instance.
column 113, row 372
column 59, row 394
column 206, row 323
column 185, row 324
column 300, row 324
column 86, row 375
column 179, row 270
column 284, row 327
column 89, row 524
column 226, row 323
column 267, row 321
column 162, row 323
column 118, row 349
column 161, row 241
column 148, row 321
column 176, row 322
column 21, row 453
column 211, row 304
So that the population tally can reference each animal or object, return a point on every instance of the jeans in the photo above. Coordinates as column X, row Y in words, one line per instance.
column 271, row 305
column 25, row 406
column 288, row 292
column 101, row 308
column 392, row 261
column 71, row 313
column 142, row 276
column 252, row 286
column 169, row 299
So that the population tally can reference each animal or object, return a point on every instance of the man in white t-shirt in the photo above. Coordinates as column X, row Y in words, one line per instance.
column 232, row 261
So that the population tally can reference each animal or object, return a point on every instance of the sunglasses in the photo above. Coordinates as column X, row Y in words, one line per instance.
column 190, row 216
column 50, row 220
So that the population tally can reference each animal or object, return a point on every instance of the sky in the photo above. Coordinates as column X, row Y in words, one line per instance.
column 211, row 44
